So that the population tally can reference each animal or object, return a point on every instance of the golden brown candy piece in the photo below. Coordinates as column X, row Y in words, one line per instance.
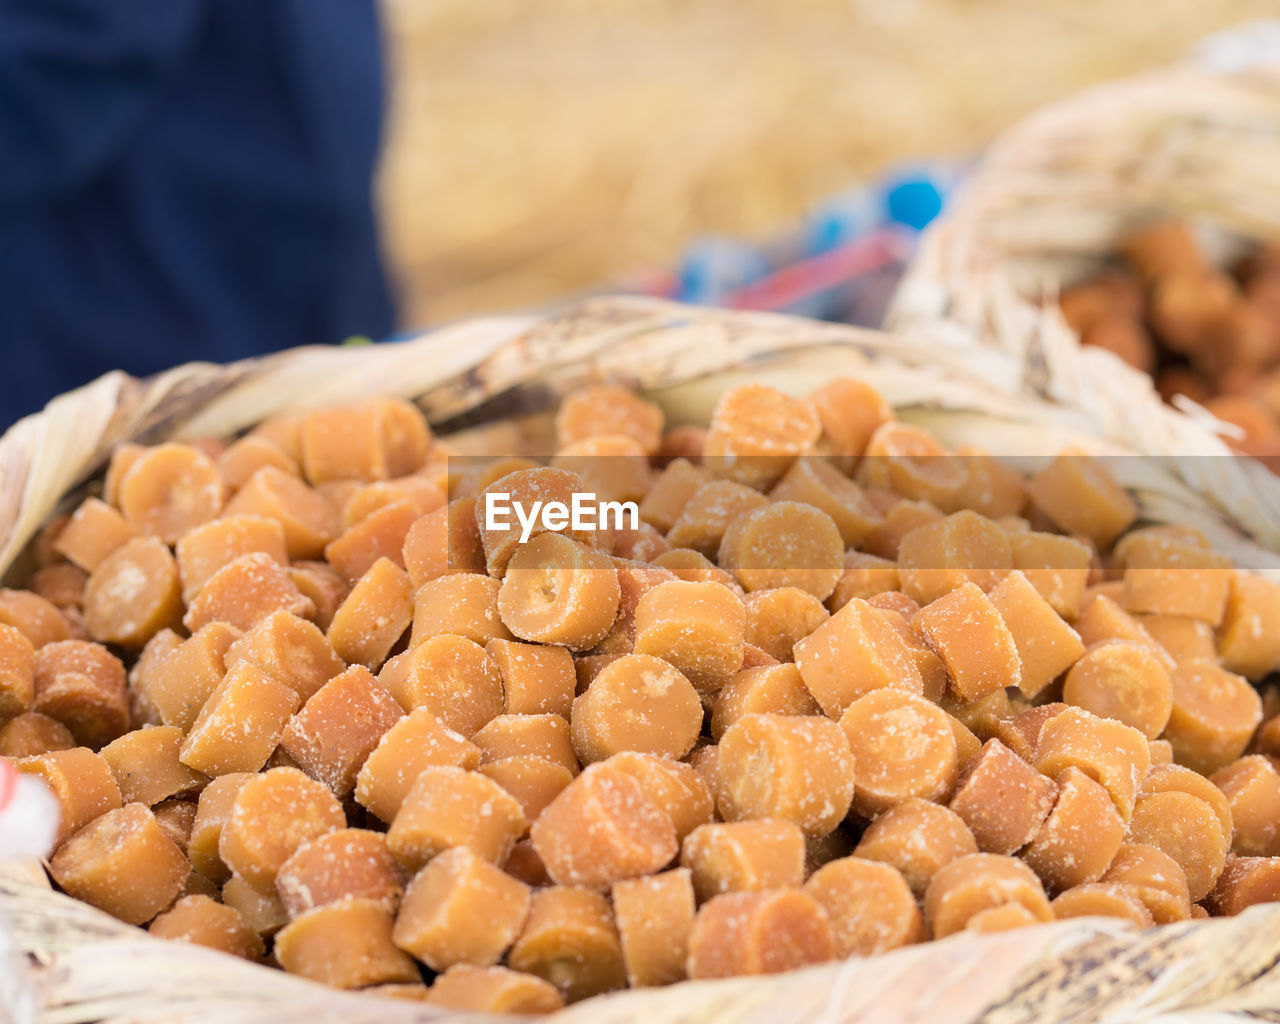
column 654, row 918
column 1188, row 830
column 674, row 786
column 1245, row 643
column 608, row 409
column 32, row 733
column 1155, row 877
column 462, row 603
column 1108, row 751
column 570, row 940
column 696, row 627
column 450, row 676
column 778, row 617
column 240, row 724
column 373, row 616
column 817, row 482
column 82, row 685
column 35, row 618
column 380, row 534
column 744, row 856
column 966, row 887
column 545, row 736
column 1102, row 899
column 204, row 550
column 202, row 921
column 902, row 747
column 212, row 811
column 262, row 910
column 1080, row 836
column 460, row 909
column 557, row 590
column 918, row 838
column 746, row 933
column 601, row 829
column 767, row 689
column 534, row 781
column 535, row 679
column 93, row 532
column 967, row 632
column 795, row 768
column 869, row 904
column 243, row 592
column 854, row 652
column 418, row 740
column 784, row 544
column 123, row 863
column 346, row 944
column 911, row 462
column 145, row 764
column 1058, row 567
column 271, row 815
column 1251, row 786
column 1077, row 493
column 308, row 520
column 850, row 411
column 754, row 432
column 81, row 781
column 1167, row 577
column 133, row 593
column 936, row 558
column 1245, row 882
column 447, row 807
column 179, row 683
column 671, row 491
column 289, row 649
column 494, row 990
column 169, row 489
column 1215, row 712
column 1125, row 681
column 1002, row 799
column 638, row 703
column 1046, row 645
column 373, row 440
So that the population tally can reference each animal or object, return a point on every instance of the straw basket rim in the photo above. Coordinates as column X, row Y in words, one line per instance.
column 80, row 969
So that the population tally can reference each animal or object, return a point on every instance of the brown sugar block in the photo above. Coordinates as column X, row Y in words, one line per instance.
column 380, row 534
column 1245, row 882
column 693, row 567
column 417, row 741
column 181, row 681
column 638, row 703
column 1002, row 799
column 795, row 768
column 536, row 679
column 902, row 747
column 94, row 530
column 202, row 921
column 603, row 828
column 169, row 489
column 142, row 677
column 744, row 856
column 460, row 909
column 699, row 628
column 917, row 837
column 1107, row 751
column 864, row 576
column 498, row 530
column 1021, row 733
column 941, row 556
column 1215, row 712
column 32, row 733
column 1155, row 877
column 324, row 586
column 452, row 677
column 1102, row 899
column 1188, row 830
column 285, row 432
column 768, row 689
column 850, row 411
column 534, row 781
column 372, row 440
column 243, row 592
column 177, row 817
column 423, row 495
column 755, row 431
column 967, row 632
column 271, row 815
column 671, row 491
column 1046, row 645
column 895, row 601
column 240, row 724
column 373, row 616
column 263, row 911
column 869, row 905
column 854, row 652
column 346, row 944
column 242, row 458
column 913, row 463
column 1168, row 576
column 674, row 786
column 570, row 940
column 308, row 520
column 204, row 550
column 1080, row 836
column 654, row 918
column 1101, row 618
column 1183, row 637
column 338, row 728
column 146, row 766
column 494, row 990
column 748, row 933
column 608, row 409
column 901, row 518
column 447, row 807
column 612, row 466
column 706, row 515
column 1252, row 789
column 81, row 781
column 967, row 886
column 212, row 811
column 993, row 489
column 1248, row 642
column 34, row 617
column 778, row 617
column 17, row 673
column 123, row 863
column 61, row 585
column 1077, row 493
column 683, row 442
column 133, row 593
column 290, row 650
column 815, row 481
column 82, row 685
column 983, row 716
column 635, row 579
column 557, row 590
column 1175, row 778
column 462, row 603
column 545, row 736
column 1125, row 681
column 642, row 543
column 446, row 540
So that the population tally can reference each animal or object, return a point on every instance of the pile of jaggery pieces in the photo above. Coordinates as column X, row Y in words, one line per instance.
column 839, row 691
column 1202, row 332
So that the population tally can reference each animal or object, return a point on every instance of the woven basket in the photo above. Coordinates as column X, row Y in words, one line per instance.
column 1048, row 206
column 488, row 385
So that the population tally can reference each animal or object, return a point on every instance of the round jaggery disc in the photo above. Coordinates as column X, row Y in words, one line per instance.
column 1124, row 681
column 784, row 544
column 869, row 904
column 918, row 837
column 1214, row 714
column 559, row 591
column 1188, row 830
column 169, row 489
column 748, row 933
column 978, row 882
column 636, row 703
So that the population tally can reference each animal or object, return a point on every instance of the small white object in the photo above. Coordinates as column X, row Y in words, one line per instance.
column 28, row 816
column 1252, row 45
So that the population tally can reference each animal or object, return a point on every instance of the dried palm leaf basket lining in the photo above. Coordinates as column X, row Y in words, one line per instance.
column 1050, row 203
column 488, row 385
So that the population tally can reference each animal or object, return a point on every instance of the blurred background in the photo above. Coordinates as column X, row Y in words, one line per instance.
column 537, row 149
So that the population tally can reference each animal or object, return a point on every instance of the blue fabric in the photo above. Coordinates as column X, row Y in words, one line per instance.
column 183, row 179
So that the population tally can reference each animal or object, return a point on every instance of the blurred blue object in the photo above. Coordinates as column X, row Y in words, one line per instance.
column 715, row 267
